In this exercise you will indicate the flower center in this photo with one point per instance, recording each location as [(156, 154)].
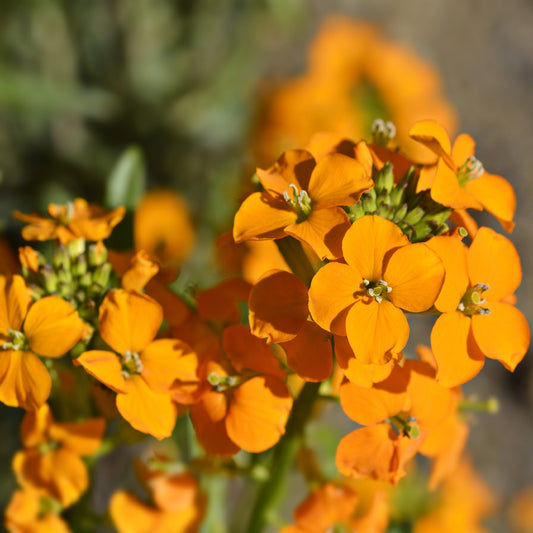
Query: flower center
[(16, 341), (300, 202), (131, 364), (223, 383), (377, 289), (472, 301), (383, 132), (472, 168)]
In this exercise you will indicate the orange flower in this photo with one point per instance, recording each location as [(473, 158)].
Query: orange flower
[(179, 503), (411, 401), (303, 199), (248, 404), (24, 513), (50, 327), (324, 507), (278, 312), (354, 76), (476, 308), (71, 221), (463, 502), (364, 298), (162, 227), (141, 370), (460, 180), (52, 461)]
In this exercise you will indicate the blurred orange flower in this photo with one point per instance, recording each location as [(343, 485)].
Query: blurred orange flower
[(354, 76), (76, 219), (51, 461)]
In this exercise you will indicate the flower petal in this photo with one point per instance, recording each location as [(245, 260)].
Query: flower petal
[(370, 405), (15, 299), (147, 411), (24, 380), (432, 135), (278, 306), (293, 166), (357, 372), (130, 515), (323, 231), (497, 196), (376, 330), (246, 352), (453, 254), (447, 191), (493, 260), (208, 416), (457, 355), (503, 334), (82, 438), (60, 473), (332, 294), (371, 452), (53, 327), (415, 274), (368, 242), (338, 180), (309, 353), (105, 367), (166, 360), (129, 320), (262, 217), (258, 413)]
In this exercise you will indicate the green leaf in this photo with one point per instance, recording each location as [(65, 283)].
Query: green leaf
[(127, 181)]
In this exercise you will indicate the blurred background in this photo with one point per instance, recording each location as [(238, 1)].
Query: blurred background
[(208, 90)]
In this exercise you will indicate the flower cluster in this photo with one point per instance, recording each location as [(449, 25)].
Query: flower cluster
[(370, 237)]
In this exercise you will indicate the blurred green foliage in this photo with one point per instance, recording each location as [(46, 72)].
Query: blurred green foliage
[(81, 81)]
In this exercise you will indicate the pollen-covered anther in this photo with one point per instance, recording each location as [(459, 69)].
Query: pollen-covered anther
[(377, 290), (383, 132), (131, 364), (472, 301), (300, 202), (472, 168), (17, 341)]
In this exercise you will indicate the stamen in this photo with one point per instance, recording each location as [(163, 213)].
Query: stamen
[(300, 202)]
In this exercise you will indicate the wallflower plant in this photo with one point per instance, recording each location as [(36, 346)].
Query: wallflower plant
[(100, 352)]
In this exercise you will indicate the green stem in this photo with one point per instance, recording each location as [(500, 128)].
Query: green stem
[(271, 491), (295, 257)]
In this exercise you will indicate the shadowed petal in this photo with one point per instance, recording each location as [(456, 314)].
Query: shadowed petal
[(278, 306), (323, 231)]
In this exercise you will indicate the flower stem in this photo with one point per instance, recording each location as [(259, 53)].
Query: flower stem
[(271, 491)]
